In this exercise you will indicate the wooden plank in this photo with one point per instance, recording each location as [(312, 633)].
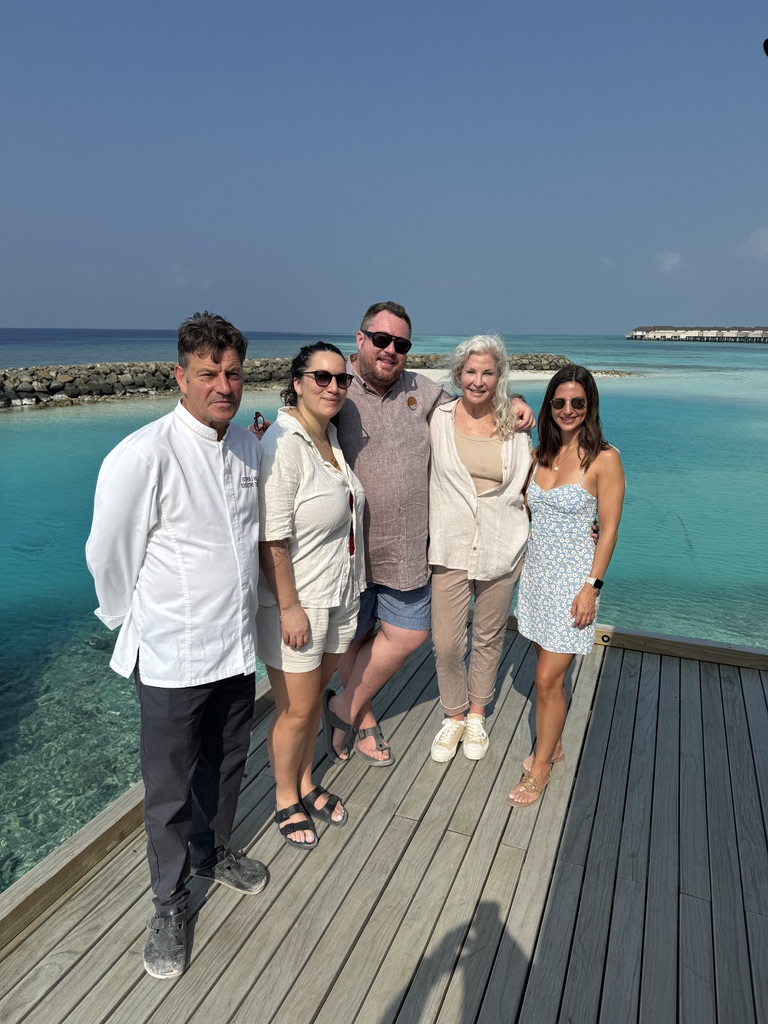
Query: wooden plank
[(467, 984), (732, 974), (578, 827), (53, 928), (341, 971), (750, 828), (53, 989), (755, 691), (547, 974), (694, 854), (621, 990), (426, 992), (581, 996), (358, 973), (682, 647), (757, 931), (641, 673), (658, 985), (390, 986), (697, 969), (340, 899), (506, 985)]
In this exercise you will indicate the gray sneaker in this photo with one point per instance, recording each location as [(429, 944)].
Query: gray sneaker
[(165, 951), (237, 871)]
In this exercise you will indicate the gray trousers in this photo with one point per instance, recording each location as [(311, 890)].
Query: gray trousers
[(194, 743)]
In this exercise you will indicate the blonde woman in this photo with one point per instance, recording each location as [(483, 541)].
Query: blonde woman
[(478, 529)]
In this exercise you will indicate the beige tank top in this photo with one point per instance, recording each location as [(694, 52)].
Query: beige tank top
[(481, 457)]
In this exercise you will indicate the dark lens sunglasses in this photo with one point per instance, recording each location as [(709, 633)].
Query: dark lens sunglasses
[(576, 403), (323, 378), (383, 340)]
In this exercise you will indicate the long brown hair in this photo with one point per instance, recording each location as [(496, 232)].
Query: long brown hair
[(591, 440)]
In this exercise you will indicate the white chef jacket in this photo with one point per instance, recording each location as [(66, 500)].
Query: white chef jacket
[(173, 551)]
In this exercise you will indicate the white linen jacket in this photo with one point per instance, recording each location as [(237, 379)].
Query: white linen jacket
[(173, 551), (484, 534)]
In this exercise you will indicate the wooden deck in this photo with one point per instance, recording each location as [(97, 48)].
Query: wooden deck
[(636, 890)]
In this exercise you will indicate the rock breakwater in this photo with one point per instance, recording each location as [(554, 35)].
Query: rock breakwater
[(46, 386)]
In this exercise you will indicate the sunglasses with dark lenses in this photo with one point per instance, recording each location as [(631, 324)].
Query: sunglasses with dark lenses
[(383, 340), (576, 403), (323, 378)]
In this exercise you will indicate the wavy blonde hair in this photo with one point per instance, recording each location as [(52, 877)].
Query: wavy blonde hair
[(488, 345)]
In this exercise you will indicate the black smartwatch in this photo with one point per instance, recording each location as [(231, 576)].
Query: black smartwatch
[(593, 582)]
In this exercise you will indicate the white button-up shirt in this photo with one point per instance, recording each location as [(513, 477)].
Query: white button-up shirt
[(173, 551), (305, 500)]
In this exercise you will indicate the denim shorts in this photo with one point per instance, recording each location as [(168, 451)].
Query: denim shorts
[(407, 609)]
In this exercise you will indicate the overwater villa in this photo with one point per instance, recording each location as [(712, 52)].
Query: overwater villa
[(738, 334)]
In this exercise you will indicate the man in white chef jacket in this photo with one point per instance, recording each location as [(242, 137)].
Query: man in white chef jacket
[(173, 551)]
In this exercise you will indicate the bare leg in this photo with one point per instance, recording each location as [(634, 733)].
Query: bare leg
[(297, 705), (326, 670), (376, 660), (551, 709)]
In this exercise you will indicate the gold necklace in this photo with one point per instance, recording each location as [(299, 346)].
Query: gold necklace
[(559, 461)]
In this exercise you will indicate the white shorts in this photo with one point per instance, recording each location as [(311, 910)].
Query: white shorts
[(331, 631)]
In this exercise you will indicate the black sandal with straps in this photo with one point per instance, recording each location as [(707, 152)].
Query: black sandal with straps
[(324, 813), (286, 831)]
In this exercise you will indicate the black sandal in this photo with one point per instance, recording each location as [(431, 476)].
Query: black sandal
[(286, 831), (324, 813), (331, 722)]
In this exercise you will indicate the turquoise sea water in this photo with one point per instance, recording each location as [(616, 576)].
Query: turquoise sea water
[(692, 427)]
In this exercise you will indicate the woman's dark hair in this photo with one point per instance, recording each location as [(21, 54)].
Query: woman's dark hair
[(300, 363), (591, 440)]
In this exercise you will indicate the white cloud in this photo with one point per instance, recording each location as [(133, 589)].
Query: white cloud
[(756, 245), (668, 262)]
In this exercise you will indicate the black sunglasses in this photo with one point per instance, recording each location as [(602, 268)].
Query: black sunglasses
[(323, 378), (576, 403), (383, 340)]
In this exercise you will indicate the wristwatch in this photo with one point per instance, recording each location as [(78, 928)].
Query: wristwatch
[(593, 582)]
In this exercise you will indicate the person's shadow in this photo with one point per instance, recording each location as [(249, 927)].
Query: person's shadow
[(466, 955)]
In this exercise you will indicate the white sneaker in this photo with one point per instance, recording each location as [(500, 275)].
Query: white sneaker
[(444, 745), (476, 740)]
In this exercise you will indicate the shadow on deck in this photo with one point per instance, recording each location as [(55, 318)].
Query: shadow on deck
[(635, 890)]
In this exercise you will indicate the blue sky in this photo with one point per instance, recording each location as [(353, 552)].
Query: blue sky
[(544, 167)]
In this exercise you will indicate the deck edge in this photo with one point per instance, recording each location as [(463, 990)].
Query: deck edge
[(64, 867)]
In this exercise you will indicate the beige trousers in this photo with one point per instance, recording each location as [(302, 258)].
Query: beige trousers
[(452, 593)]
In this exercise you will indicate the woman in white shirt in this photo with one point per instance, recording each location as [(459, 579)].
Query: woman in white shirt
[(478, 529), (312, 574)]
